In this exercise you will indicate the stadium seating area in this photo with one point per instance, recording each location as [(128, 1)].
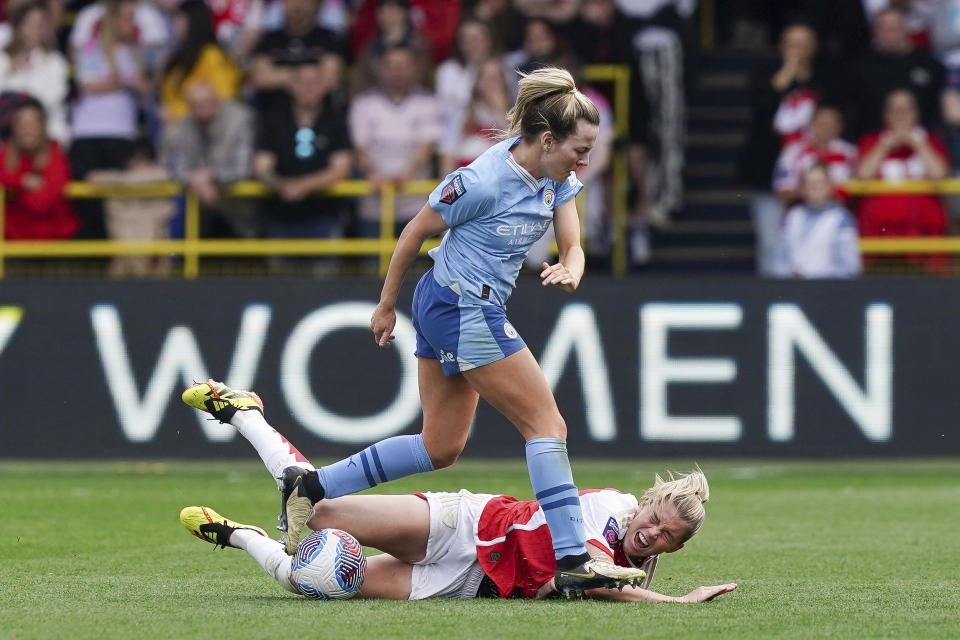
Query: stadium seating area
[(318, 125)]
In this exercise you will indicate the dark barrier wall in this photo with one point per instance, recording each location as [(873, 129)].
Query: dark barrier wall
[(640, 367)]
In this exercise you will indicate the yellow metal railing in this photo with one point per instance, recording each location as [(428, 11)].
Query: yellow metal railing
[(192, 247), (708, 25), (888, 245)]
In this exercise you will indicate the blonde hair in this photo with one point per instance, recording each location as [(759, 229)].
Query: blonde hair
[(687, 492), (548, 101)]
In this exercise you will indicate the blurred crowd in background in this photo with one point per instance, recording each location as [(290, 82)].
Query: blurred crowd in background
[(861, 90), (300, 94)]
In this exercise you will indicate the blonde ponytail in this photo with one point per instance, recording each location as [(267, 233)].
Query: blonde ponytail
[(548, 101), (687, 492)]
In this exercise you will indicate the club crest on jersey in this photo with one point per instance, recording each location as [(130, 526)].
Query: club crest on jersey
[(453, 190), (548, 197), (509, 330), (611, 532)]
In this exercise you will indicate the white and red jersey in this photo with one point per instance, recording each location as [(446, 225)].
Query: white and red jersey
[(795, 113), (839, 156), (515, 550), (231, 16)]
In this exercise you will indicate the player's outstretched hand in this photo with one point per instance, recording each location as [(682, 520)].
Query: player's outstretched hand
[(382, 323), (706, 594), (557, 274)]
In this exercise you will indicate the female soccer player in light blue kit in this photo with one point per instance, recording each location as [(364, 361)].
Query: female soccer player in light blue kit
[(492, 212)]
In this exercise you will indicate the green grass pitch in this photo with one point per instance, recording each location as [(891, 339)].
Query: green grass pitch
[(820, 549)]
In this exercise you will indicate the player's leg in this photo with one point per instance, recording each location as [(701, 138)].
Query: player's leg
[(429, 540), (269, 554), (395, 524), (448, 403), (516, 387), (448, 407), (244, 410), (387, 578), (207, 524)]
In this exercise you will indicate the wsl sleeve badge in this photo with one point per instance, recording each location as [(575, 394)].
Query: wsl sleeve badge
[(611, 532), (549, 196), (453, 190)]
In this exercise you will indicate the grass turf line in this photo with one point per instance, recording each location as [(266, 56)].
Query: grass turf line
[(853, 550)]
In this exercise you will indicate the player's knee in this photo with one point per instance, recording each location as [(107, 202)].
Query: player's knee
[(560, 430), (443, 457), (552, 427), (324, 515)]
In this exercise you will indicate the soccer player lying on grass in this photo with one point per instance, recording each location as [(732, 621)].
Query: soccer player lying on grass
[(465, 545)]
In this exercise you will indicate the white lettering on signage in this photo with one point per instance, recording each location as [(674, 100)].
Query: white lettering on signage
[(870, 407), (658, 370), (303, 404), (180, 362), (576, 335), (10, 317), (576, 332)]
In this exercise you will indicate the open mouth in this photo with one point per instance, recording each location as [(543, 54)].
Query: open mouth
[(640, 540)]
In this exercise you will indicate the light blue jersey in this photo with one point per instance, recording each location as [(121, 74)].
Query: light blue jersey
[(495, 210)]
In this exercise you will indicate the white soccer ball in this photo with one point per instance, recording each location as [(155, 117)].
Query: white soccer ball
[(329, 565)]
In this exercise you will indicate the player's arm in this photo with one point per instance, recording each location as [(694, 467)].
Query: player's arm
[(568, 271), (636, 594), (425, 224)]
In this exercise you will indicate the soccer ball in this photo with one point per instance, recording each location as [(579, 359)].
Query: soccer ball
[(329, 565)]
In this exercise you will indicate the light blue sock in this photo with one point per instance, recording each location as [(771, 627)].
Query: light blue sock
[(553, 485), (381, 462)]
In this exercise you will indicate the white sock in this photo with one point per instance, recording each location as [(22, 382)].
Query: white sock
[(268, 553), (276, 451)]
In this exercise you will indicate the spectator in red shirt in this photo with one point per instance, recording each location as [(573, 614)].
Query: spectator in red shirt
[(821, 144), (903, 150), (435, 20), (395, 28), (33, 172)]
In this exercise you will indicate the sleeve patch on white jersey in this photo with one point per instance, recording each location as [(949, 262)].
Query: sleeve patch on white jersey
[(453, 190), (611, 532)]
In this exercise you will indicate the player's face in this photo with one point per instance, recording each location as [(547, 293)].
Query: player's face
[(654, 530), (571, 153)]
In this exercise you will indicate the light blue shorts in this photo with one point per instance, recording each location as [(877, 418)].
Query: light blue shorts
[(461, 336)]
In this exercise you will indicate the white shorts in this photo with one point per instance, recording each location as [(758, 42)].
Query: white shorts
[(450, 568)]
